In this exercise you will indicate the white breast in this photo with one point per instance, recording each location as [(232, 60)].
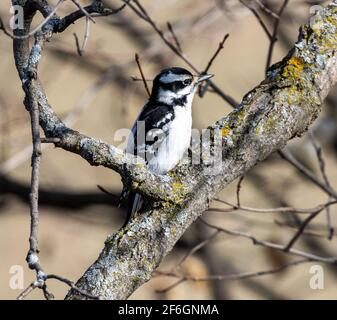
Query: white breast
[(173, 148)]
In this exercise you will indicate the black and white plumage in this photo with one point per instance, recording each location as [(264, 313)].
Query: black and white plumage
[(166, 124)]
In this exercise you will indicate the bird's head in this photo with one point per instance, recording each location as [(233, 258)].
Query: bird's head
[(175, 86)]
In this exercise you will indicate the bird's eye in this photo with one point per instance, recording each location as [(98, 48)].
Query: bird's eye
[(187, 82)]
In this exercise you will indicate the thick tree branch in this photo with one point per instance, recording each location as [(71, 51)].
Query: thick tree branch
[(280, 108)]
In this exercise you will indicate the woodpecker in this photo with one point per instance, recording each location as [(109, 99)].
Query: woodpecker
[(166, 121)]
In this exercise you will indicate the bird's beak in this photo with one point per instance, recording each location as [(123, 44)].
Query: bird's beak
[(203, 78)]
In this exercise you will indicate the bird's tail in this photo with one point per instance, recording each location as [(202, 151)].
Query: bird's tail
[(135, 202)]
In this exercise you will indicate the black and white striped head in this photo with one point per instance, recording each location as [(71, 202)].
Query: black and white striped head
[(175, 86)]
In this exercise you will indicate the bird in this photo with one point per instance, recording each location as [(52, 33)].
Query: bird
[(162, 131)]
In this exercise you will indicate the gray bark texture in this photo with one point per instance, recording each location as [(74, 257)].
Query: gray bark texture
[(279, 109)]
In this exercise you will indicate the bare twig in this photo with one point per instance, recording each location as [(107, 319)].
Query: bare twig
[(267, 10), (170, 287), (174, 36), (238, 188), (86, 13), (273, 39), (220, 47), (40, 26), (80, 50), (92, 10), (49, 140), (142, 13), (195, 249), (142, 74), (271, 210), (272, 245), (306, 232), (225, 277), (35, 284), (301, 230), (41, 284), (205, 87), (285, 154), (259, 19), (321, 162), (32, 256), (136, 78), (72, 285)]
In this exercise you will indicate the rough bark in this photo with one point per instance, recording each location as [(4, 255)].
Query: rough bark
[(274, 112), (280, 108)]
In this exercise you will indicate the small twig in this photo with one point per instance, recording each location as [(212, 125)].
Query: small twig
[(238, 188), (203, 88), (66, 21), (300, 230), (86, 35), (35, 284), (93, 10), (77, 43), (271, 210), (136, 78), (41, 284), (50, 140), (142, 74), (220, 47), (196, 248), (33, 252), (175, 38), (259, 19), (286, 155), (306, 232), (320, 158), (267, 10), (273, 39), (79, 6), (72, 285), (106, 191), (32, 256), (39, 27), (80, 50), (141, 12), (321, 162), (170, 287), (272, 245), (47, 294), (239, 276)]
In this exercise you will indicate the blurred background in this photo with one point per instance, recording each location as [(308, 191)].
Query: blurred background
[(97, 96)]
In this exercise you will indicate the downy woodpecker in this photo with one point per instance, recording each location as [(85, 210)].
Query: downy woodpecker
[(166, 123)]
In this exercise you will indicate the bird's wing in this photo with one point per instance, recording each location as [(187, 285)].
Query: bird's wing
[(152, 128), (152, 121)]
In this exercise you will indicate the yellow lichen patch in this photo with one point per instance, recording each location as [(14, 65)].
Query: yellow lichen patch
[(225, 132), (179, 192), (177, 185), (293, 69), (269, 125), (332, 20), (241, 114)]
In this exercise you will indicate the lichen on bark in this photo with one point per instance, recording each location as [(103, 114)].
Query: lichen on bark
[(280, 108)]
